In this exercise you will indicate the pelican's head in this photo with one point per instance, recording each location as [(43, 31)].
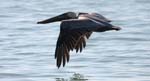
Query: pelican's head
[(65, 16)]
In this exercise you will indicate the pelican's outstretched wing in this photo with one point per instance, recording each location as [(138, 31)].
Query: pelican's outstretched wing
[(72, 36), (98, 17), (81, 42)]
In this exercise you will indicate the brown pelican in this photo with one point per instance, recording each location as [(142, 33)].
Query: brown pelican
[(75, 28)]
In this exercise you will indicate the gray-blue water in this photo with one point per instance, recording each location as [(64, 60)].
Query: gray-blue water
[(27, 49)]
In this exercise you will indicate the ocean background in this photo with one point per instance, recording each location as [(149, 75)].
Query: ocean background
[(27, 49)]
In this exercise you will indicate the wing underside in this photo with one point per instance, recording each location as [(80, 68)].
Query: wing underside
[(73, 35)]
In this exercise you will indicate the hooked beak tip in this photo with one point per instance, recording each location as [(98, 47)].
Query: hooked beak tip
[(38, 23), (41, 22)]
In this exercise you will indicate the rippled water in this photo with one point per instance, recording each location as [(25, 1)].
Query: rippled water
[(27, 49)]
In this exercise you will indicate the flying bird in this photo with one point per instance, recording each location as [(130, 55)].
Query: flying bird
[(75, 29)]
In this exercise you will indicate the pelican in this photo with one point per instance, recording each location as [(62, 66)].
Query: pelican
[(75, 29)]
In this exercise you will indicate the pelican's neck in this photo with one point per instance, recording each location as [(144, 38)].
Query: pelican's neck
[(82, 17)]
